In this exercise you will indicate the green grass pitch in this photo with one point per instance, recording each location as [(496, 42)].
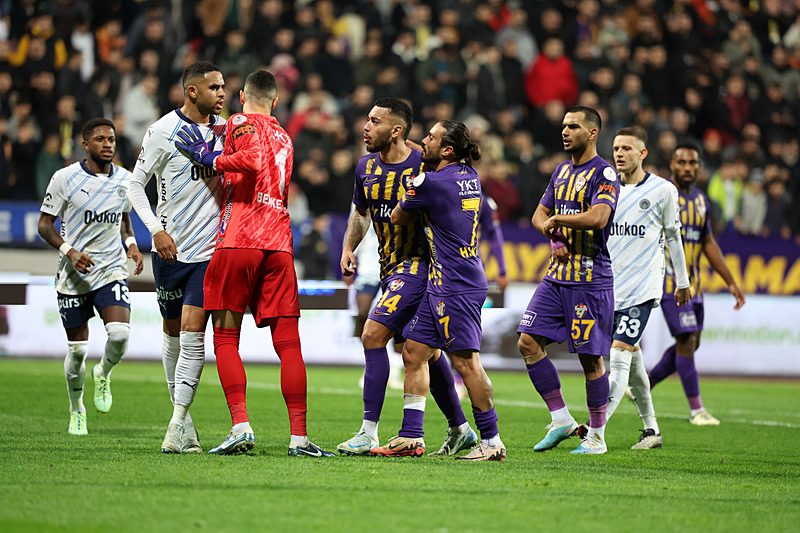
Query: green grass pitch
[(740, 476)]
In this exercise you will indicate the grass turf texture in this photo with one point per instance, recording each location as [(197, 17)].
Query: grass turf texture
[(740, 476)]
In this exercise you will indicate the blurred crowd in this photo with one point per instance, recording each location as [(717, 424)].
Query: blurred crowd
[(722, 73)]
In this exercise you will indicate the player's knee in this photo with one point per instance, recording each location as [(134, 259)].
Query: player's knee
[(375, 336), (118, 334), (77, 351), (531, 350)]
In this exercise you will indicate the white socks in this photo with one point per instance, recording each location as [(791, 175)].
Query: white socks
[(561, 417), (170, 348), (75, 373), (188, 369), (620, 369), (116, 344), (298, 440), (640, 388), (370, 427)]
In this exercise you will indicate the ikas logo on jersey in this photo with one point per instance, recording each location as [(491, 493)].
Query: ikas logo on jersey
[(440, 308), (396, 285), (580, 310)]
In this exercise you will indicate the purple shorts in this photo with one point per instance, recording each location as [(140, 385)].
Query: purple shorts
[(450, 323), (588, 315), (685, 319), (402, 294)]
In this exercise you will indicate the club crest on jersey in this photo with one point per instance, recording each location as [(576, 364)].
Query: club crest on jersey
[(580, 310), (634, 312), (396, 285), (122, 192), (644, 204), (440, 308), (580, 183), (700, 207)]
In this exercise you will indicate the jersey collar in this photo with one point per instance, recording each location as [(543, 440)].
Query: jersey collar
[(646, 175), (212, 118), (86, 169)]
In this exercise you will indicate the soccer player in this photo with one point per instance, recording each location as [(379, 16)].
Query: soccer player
[(491, 232), (91, 198), (253, 264), (686, 324), (647, 214), (183, 231), (382, 177), (448, 199), (577, 292)]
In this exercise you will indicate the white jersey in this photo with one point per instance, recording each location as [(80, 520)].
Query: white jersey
[(189, 197), (367, 258), (647, 218), (90, 206)]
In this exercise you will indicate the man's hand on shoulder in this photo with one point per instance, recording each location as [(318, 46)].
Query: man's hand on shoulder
[(193, 147)]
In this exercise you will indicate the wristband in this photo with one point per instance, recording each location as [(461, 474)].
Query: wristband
[(129, 241), (65, 247)]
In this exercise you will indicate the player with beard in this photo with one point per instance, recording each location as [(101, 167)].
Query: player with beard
[(576, 295), (382, 178), (686, 323), (448, 200), (91, 198), (183, 230)]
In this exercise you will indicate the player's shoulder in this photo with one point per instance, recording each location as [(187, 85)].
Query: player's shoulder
[(605, 171), (366, 163), (120, 172)]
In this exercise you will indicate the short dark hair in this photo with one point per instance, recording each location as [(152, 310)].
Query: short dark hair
[(89, 127), (590, 114), (688, 145), (633, 131), (261, 86), (198, 69), (399, 109), (456, 135)]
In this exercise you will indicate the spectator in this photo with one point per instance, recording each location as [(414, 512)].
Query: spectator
[(779, 207), (517, 32), (140, 109), (48, 162), (552, 76), (725, 189), (24, 151), (496, 182)]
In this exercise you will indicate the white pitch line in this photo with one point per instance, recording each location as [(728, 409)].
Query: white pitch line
[(507, 403)]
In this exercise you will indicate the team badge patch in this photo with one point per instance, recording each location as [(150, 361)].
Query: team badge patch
[(396, 285), (579, 184), (122, 192), (238, 119), (411, 193), (580, 310), (417, 181), (241, 130), (644, 204), (527, 319), (634, 312), (440, 308), (610, 174)]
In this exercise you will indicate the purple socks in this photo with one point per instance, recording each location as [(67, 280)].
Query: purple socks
[(544, 377), (412, 424), (486, 422), (664, 368), (376, 376), (690, 380), (443, 390), (597, 400)]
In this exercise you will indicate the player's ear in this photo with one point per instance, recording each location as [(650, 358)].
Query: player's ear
[(446, 151), (644, 153), (274, 103), (241, 97)]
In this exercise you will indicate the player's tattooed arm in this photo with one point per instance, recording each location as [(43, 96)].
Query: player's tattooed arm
[(47, 230), (126, 232), (357, 228)]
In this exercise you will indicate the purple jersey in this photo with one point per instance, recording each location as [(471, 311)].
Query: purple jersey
[(378, 188), (695, 225), (573, 190), (449, 201)]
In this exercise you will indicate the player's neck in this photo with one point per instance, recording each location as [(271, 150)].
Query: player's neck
[(253, 109), (395, 153), (97, 168), (192, 113), (443, 163), (588, 153), (633, 178), (682, 186)]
